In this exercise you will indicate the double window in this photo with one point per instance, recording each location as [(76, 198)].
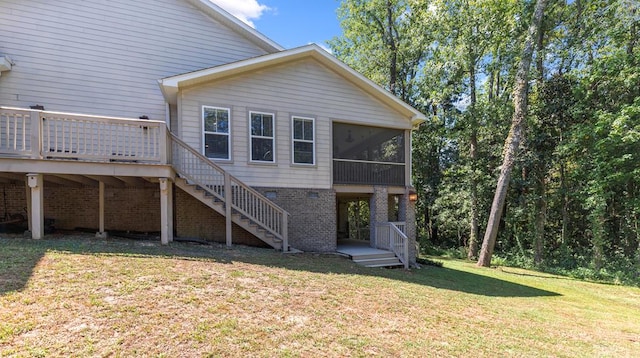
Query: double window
[(217, 133), (303, 141), (262, 137)]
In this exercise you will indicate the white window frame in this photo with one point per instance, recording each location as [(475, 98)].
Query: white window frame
[(273, 138), (294, 140), (205, 132)]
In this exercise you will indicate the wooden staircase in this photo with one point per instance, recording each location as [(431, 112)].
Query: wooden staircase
[(218, 205), (228, 196)]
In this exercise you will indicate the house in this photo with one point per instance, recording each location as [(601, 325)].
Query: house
[(173, 116)]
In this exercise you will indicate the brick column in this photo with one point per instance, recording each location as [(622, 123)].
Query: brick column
[(378, 211), (407, 213)]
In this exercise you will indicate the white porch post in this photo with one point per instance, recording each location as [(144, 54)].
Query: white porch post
[(166, 211), (36, 220), (101, 234)]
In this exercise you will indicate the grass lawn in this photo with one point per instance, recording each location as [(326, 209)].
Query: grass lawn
[(80, 296)]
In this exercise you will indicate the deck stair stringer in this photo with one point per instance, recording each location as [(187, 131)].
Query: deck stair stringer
[(218, 206)]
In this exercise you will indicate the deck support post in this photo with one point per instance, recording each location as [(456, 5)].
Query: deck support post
[(228, 201), (285, 232), (36, 219), (101, 234), (28, 193), (166, 211)]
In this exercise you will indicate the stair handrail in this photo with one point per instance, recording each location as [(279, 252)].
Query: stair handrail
[(180, 168), (390, 237), (274, 224)]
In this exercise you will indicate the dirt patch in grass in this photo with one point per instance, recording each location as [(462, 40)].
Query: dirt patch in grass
[(79, 296)]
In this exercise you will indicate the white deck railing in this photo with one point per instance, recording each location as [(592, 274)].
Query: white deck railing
[(15, 132), (390, 237), (199, 170), (54, 135)]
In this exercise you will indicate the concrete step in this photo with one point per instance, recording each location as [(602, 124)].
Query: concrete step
[(373, 256), (381, 262)]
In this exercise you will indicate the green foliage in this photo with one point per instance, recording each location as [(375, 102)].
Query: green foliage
[(574, 199)]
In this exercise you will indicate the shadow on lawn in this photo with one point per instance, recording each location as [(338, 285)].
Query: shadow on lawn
[(437, 277), (19, 257), (468, 282)]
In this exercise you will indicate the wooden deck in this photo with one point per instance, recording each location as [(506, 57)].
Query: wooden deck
[(88, 148)]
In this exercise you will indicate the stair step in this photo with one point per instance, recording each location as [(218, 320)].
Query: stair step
[(386, 255), (379, 262), (385, 265), (380, 259)]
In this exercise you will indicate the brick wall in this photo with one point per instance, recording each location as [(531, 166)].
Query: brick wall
[(133, 209), (312, 224), (13, 199)]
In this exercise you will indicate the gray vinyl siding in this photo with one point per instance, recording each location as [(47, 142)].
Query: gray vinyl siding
[(303, 88), (105, 57)]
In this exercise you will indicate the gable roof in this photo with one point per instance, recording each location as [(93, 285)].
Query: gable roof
[(171, 85), (232, 22)]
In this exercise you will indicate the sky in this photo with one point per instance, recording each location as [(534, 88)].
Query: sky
[(290, 23)]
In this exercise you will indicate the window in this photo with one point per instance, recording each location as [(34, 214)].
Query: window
[(216, 132), (262, 137), (303, 141)]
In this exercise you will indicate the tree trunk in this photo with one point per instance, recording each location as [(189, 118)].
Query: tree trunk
[(473, 154), (393, 62), (565, 209), (513, 140), (540, 219)]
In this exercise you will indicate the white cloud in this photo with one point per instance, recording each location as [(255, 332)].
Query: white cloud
[(245, 10)]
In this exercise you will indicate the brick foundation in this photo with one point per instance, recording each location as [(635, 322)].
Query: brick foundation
[(133, 209), (312, 224)]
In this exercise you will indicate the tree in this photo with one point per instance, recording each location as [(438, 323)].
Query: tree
[(382, 40), (512, 142), (469, 37)]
